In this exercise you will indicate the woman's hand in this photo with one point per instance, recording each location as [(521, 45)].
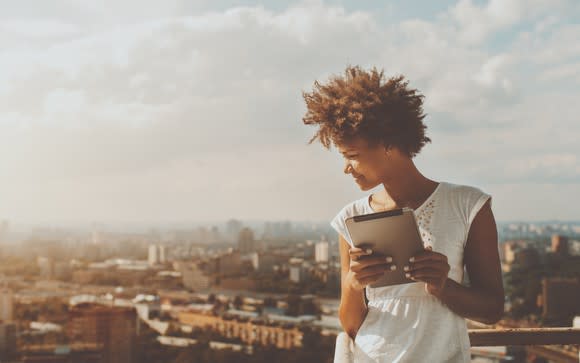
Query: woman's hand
[(365, 268), (429, 267)]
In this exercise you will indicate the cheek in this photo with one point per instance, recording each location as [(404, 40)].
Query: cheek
[(371, 172), (365, 168)]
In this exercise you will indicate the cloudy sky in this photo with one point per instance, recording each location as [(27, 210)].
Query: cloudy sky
[(179, 110)]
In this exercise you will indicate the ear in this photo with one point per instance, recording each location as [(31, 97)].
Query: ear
[(388, 150)]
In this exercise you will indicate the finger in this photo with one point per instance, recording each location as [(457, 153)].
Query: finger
[(427, 273), (359, 267), (359, 264), (428, 255), (355, 253), (360, 251), (436, 281), (375, 269), (437, 264)]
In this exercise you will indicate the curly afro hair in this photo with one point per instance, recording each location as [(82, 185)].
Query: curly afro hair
[(365, 104)]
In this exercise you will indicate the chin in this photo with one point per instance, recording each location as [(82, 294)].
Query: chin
[(364, 185)]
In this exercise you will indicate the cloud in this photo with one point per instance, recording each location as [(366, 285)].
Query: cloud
[(477, 23), (181, 116)]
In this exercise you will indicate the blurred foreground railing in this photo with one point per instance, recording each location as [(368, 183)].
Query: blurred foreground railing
[(524, 336), (555, 344)]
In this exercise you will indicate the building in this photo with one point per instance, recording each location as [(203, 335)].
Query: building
[(560, 245), (193, 278), (246, 241), (62, 270), (228, 264), (156, 255), (527, 257), (46, 266), (507, 252), (112, 326), (233, 228), (7, 339), (69, 353), (152, 257), (266, 261), (277, 229), (248, 329), (161, 250), (295, 273), (560, 298), (6, 305), (321, 252)]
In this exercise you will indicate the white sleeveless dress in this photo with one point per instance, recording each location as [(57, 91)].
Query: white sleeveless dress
[(404, 323)]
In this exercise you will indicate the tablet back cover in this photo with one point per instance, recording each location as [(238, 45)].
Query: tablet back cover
[(391, 233)]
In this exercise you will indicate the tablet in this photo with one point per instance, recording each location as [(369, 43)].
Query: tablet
[(392, 233)]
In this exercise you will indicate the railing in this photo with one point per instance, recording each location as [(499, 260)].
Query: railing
[(520, 336), (540, 341)]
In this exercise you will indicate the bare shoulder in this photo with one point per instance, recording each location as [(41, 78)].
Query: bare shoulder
[(483, 223)]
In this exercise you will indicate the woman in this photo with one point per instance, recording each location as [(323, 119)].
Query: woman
[(377, 125)]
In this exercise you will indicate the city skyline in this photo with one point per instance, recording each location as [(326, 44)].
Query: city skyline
[(192, 112)]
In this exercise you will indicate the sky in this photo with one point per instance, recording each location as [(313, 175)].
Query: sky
[(192, 110)]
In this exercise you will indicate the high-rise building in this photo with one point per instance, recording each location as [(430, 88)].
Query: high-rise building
[(246, 242), (560, 245), (277, 229), (112, 326), (295, 273), (233, 228), (321, 252), (6, 304), (156, 254), (161, 253), (152, 255)]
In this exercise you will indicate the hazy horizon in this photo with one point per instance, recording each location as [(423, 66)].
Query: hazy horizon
[(142, 111)]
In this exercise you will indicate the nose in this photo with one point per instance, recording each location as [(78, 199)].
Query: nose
[(347, 168)]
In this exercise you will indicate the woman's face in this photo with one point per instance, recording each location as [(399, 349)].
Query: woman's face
[(368, 165)]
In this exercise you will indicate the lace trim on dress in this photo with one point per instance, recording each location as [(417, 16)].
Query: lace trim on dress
[(424, 221)]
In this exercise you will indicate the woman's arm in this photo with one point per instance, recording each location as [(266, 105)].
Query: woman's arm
[(352, 309), (483, 300), (358, 269)]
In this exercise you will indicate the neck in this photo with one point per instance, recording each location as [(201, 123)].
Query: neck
[(409, 187)]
